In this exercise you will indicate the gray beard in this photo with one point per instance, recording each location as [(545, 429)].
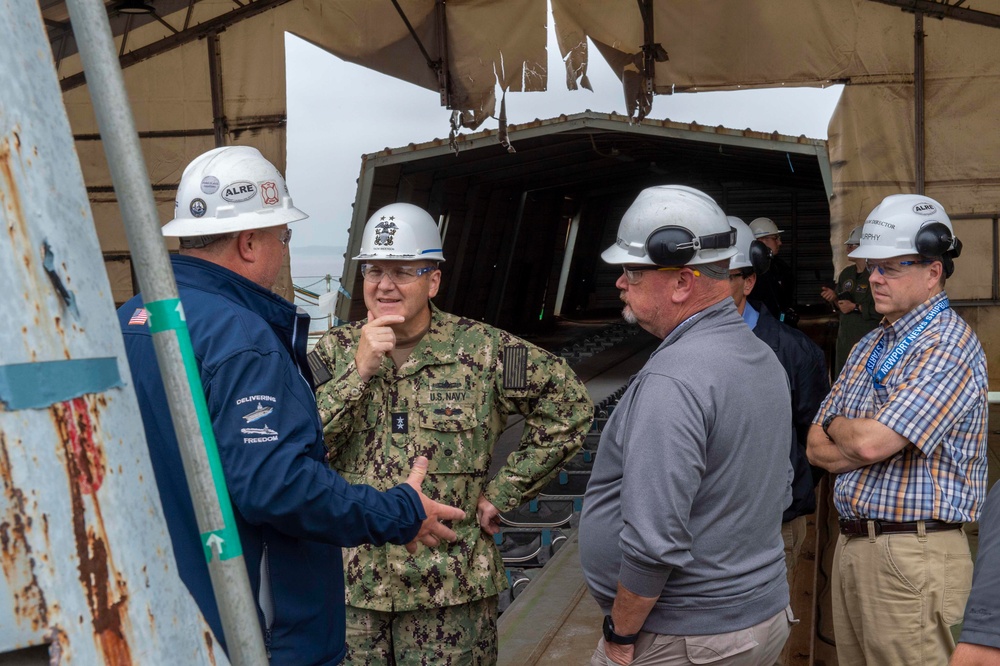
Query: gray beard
[(629, 316)]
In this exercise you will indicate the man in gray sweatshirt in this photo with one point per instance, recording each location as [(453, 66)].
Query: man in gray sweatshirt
[(680, 537)]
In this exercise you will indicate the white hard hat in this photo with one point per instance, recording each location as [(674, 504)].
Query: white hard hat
[(764, 226), (750, 252), (401, 231), (672, 225), (855, 237), (907, 224), (230, 189)]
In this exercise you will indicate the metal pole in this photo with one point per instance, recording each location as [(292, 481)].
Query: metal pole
[(918, 99), (511, 253), (567, 262), (219, 122), (170, 334)]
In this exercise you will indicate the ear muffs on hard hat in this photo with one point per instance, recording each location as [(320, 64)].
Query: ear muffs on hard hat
[(673, 246), (936, 240), (760, 257)]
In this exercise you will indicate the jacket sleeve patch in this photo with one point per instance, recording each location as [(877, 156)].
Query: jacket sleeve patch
[(256, 417), (515, 367)]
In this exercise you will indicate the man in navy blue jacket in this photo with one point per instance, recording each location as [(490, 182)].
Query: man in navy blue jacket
[(293, 513), (805, 366)]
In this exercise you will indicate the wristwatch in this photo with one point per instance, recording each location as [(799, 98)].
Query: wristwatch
[(611, 637), (826, 424)]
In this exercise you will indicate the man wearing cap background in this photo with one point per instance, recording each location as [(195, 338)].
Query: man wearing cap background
[(680, 536), (904, 428), (775, 288), (805, 365), (293, 513), (852, 299), (413, 380)]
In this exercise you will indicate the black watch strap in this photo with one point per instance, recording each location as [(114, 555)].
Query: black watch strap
[(611, 637), (826, 423)]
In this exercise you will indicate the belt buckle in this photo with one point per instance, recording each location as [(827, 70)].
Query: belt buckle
[(877, 525)]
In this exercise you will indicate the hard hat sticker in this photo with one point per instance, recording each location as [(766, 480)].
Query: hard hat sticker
[(924, 208), (209, 184), (269, 193), (241, 190), (198, 207), (384, 231)]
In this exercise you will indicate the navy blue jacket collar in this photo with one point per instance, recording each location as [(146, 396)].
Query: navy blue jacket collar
[(288, 322)]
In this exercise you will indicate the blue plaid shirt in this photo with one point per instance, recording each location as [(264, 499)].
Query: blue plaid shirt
[(935, 397)]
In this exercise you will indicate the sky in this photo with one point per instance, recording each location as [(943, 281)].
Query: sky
[(338, 111)]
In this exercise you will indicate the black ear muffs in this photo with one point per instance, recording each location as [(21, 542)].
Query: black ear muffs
[(676, 246), (670, 246), (936, 240), (760, 257)]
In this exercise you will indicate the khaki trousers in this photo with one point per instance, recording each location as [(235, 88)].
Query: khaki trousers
[(759, 645), (793, 533), (897, 596)]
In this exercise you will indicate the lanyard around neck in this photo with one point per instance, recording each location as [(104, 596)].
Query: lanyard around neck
[(886, 365)]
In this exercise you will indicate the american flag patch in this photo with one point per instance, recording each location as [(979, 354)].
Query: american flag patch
[(139, 317), (515, 367)]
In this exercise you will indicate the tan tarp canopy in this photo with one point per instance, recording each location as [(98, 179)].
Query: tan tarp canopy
[(724, 44), (172, 93), (712, 44)]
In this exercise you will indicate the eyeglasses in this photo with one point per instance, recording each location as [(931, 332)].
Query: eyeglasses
[(285, 237), (739, 274), (634, 274), (893, 269), (396, 274)]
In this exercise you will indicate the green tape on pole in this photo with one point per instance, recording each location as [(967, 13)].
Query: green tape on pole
[(168, 315)]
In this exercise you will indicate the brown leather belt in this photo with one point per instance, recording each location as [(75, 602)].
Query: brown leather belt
[(858, 527)]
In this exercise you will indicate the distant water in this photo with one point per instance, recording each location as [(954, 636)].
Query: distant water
[(310, 264)]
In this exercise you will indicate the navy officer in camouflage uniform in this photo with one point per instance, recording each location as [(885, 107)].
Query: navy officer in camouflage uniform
[(413, 380)]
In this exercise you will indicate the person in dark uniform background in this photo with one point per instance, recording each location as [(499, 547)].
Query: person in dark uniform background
[(805, 365), (775, 289), (852, 299)]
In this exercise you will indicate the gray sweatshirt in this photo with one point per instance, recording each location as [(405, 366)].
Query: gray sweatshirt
[(690, 482)]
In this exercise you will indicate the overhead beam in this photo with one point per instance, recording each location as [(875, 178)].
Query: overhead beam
[(217, 24), (942, 10)]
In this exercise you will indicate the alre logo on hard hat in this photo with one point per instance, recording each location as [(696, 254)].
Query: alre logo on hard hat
[(925, 209), (385, 230), (203, 206), (241, 190)]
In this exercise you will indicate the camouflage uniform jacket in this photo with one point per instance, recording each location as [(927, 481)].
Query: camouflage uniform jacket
[(449, 401)]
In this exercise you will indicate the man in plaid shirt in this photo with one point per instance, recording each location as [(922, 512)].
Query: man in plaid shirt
[(904, 427)]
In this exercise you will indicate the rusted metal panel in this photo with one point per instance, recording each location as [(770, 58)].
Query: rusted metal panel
[(87, 565)]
